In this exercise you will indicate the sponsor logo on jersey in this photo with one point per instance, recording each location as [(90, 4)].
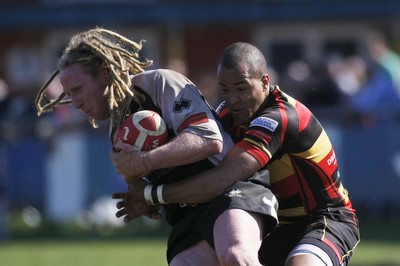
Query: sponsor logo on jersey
[(332, 159), (181, 105), (265, 122), (235, 193), (272, 203)]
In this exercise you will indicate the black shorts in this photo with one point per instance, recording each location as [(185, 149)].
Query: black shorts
[(197, 223), (338, 239)]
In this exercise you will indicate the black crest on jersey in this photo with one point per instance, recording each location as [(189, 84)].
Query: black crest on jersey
[(182, 104)]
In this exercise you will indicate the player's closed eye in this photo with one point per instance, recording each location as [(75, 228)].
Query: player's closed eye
[(76, 91)]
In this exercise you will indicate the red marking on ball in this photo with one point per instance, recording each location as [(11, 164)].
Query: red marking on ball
[(145, 129)]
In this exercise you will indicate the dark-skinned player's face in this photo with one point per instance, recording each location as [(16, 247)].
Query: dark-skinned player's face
[(242, 93), (88, 93)]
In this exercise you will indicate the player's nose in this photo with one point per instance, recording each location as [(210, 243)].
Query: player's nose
[(231, 99), (77, 102)]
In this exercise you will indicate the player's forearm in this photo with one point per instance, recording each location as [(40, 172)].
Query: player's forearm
[(200, 188), (205, 186), (184, 149)]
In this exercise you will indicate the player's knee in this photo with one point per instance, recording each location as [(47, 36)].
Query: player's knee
[(237, 256)]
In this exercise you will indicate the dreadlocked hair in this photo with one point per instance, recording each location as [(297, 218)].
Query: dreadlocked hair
[(94, 49)]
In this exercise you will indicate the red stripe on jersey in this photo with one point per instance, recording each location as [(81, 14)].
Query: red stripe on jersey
[(304, 115), (254, 151), (223, 112), (283, 112), (264, 136), (306, 192), (334, 248), (329, 164), (286, 187), (193, 120), (329, 184)]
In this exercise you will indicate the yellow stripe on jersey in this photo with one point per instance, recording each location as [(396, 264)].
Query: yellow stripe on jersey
[(319, 150), (291, 100), (280, 169), (258, 145), (292, 212)]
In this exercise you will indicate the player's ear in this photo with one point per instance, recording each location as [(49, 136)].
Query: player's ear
[(265, 81)]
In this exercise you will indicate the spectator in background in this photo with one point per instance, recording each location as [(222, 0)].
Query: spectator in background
[(378, 95), (385, 57), (297, 79), (344, 75), (314, 87)]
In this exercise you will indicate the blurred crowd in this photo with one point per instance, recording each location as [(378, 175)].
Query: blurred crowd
[(364, 85), (366, 89)]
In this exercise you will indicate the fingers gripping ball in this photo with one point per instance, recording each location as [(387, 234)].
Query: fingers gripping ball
[(144, 129)]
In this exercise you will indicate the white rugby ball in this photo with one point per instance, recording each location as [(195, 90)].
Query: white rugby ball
[(144, 129)]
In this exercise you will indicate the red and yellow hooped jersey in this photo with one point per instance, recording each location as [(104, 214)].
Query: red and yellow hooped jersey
[(287, 139)]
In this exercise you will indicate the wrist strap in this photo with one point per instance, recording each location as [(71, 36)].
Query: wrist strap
[(159, 194), (153, 195), (147, 194)]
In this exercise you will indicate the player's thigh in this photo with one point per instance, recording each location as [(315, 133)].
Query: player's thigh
[(237, 228), (305, 260), (198, 255), (308, 254)]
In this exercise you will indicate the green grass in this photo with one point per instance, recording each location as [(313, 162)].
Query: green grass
[(377, 253), (380, 243), (145, 253), (83, 253), (379, 246)]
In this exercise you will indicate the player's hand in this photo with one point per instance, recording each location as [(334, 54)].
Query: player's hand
[(136, 189), (129, 161), (131, 207)]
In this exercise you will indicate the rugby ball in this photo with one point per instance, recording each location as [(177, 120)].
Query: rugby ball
[(144, 129)]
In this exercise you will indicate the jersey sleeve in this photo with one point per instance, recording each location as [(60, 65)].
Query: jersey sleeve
[(263, 137), (182, 106)]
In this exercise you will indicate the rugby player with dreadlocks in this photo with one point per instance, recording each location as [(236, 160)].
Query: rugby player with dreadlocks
[(103, 76)]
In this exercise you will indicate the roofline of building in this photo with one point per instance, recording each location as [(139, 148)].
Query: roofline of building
[(187, 12)]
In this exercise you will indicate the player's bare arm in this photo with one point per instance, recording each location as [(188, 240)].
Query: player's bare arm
[(184, 149), (237, 165)]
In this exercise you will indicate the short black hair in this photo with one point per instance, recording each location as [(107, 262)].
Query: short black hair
[(242, 52)]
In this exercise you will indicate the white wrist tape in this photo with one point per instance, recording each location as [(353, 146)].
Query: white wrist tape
[(159, 194), (153, 194), (147, 194)]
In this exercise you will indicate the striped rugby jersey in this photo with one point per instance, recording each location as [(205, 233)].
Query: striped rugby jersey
[(287, 139)]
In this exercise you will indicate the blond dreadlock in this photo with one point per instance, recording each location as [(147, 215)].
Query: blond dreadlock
[(94, 49)]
